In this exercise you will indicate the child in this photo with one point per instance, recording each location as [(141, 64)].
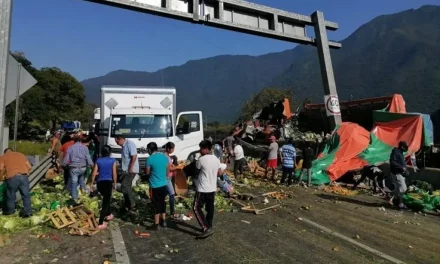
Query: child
[(169, 149), (223, 181), (105, 169)]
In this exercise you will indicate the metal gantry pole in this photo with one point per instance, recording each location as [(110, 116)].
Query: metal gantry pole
[(325, 62), (5, 34)]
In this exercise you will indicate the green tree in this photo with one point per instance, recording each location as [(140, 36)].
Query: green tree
[(85, 114), (30, 108), (63, 96), (262, 99), (57, 96)]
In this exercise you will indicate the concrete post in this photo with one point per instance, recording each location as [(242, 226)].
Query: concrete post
[(196, 10), (275, 23), (220, 9), (325, 62), (5, 34), (5, 141)]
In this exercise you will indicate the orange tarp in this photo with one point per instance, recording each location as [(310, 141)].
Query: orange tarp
[(287, 113), (353, 139), (408, 129), (397, 104)]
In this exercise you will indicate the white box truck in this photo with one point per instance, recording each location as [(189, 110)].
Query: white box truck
[(148, 114)]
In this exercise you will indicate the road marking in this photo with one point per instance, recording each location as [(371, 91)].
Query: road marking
[(367, 248), (119, 245)]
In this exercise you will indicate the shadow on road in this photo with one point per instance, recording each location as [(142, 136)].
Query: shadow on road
[(354, 201), (178, 227)]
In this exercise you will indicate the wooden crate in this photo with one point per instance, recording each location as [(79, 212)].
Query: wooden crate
[(62, 218), (85, 217), (78, 230)]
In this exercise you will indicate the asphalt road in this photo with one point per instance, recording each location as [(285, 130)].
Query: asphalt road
[(281, 237)]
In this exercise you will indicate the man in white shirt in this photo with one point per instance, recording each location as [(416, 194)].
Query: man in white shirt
[(240, 161), (206, 186)]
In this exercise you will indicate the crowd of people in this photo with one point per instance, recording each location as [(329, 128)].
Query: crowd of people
[(286, 154), (77, 153)]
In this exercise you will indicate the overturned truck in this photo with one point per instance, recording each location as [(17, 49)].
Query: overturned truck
[(352, 147)]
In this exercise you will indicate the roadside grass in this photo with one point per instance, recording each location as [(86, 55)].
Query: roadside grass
[(31, 148)]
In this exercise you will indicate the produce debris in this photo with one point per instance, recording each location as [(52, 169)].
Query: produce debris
[(421, 200), (277, 195), (307, 208), (340, 190), (45, 199)]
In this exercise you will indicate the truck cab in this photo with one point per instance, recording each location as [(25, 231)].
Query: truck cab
[(145, 114)]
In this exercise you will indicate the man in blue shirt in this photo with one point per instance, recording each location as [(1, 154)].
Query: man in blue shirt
[(130, 167), (157, 168), (288, 156), (78, 159)]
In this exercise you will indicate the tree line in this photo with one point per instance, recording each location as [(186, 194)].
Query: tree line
[(57, 96)]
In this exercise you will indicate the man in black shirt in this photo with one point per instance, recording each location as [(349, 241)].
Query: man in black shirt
[(308, 155)]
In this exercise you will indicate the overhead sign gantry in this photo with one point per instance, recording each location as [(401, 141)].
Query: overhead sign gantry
[(235, 15)]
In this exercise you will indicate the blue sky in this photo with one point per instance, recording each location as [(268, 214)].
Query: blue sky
[(90, 40)]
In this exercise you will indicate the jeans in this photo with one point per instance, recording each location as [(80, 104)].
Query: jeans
[(14, 184), (224, 183), (170, 190), (76, 177), (127, 189)]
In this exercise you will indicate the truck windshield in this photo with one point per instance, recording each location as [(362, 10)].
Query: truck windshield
[(141, 126)]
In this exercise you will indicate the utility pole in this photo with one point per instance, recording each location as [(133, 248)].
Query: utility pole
[(17, 107), (5, 35)]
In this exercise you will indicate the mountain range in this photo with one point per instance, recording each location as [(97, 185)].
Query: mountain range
[(398, 53)]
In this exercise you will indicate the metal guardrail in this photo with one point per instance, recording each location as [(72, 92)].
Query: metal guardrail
[(38, 171)]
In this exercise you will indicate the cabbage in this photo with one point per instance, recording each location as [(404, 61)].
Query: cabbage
[(36, 220), (35, 200), (10, 225), (141, 188)]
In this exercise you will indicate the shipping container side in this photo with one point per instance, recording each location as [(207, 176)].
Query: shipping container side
[(129, 97)]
